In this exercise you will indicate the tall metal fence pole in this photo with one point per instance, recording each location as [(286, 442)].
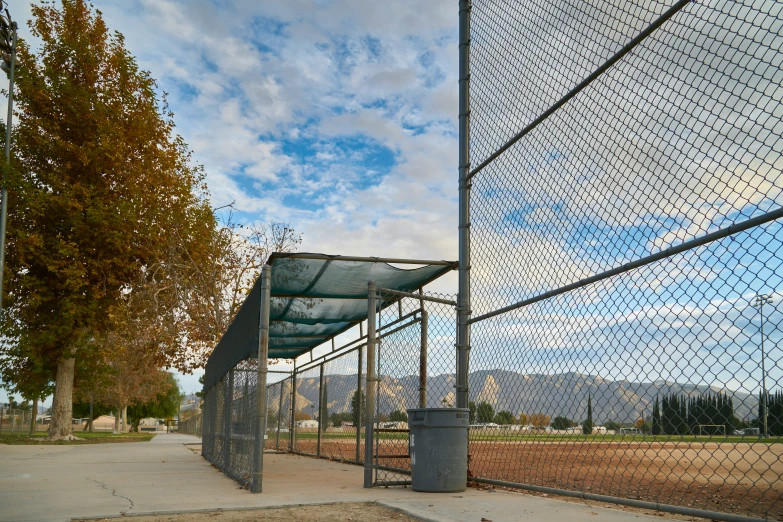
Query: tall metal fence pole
[(263, 353), (227, 420), (463, 298), (321, 405), (292, 432), (358, 420), (371, 379), (423, 358), (279, 417)]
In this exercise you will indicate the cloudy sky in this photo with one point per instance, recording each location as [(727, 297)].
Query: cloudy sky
[(337, 116)]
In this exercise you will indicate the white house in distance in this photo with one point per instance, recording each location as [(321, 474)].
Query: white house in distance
[(307, 424)]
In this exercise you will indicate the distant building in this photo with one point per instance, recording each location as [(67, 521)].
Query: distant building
[(307, 424)]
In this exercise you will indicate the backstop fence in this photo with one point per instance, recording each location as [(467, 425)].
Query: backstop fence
[(621, 250)]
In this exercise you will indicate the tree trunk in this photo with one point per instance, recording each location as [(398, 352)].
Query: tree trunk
[(92, 418), (34, 420), (61, 426), (117, 421), (125, 419)]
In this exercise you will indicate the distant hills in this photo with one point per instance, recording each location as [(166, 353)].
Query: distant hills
[(563, 394)]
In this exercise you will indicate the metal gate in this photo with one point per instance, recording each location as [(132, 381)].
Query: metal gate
[(415, 361)]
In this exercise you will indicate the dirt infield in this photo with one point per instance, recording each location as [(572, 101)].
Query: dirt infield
[(741, 478)]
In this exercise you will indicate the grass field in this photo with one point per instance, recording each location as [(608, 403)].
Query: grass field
[(89, 438)]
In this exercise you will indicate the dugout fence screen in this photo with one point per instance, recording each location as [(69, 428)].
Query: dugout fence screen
[(621, 250)]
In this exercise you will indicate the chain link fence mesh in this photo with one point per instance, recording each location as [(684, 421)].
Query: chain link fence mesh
[(414, 335), (229, 416), (342, 406), (14, 420), (191, 425), (626, 250)]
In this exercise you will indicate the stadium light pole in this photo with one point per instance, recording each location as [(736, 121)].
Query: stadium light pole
[(7, 63), (758, 302)]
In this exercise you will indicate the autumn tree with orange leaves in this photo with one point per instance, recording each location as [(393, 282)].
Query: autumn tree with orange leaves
[(98, 181)]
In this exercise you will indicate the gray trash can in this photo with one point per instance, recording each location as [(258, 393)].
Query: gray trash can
[(439, 449)]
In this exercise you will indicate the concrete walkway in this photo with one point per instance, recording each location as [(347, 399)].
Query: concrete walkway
[(56, 483)]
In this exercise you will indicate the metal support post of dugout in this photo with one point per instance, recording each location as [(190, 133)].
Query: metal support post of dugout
[(263, 355), (358, 420), (292, 431), (229, 400), (321, 425), (279, 417), (371, 382), (423, 359)]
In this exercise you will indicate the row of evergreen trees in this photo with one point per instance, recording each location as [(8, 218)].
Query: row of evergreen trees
[(775, 417), (683, 415)]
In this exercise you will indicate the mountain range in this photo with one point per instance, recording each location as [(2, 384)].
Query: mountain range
[(563, 394)]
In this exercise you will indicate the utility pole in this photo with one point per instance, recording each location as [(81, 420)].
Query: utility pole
[(758, 302), (7, 63)]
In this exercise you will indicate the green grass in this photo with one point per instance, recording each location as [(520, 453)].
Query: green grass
[(510, 436), (89, 438)]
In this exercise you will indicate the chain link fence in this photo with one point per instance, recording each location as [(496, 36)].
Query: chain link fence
[(319, 409), (330, 402), (15, 421), (416, 362), (228, 429), (191, 425), (625, 250)]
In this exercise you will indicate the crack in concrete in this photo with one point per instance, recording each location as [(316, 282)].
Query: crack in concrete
[(114, 494)]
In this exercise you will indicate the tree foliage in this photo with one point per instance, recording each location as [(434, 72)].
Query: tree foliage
[(562, 423), (656, 418), (485, 413), (98, 181), (164, 404), (214, 278), (398, 416), (587, 425), (683, 415), (358, 407), (539, 420), (505, 417)]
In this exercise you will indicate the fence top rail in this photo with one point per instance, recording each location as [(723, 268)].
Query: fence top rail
[(422, 297), (388, 260), (323, 359)]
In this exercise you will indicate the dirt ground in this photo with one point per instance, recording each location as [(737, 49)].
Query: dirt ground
[(365, 512), (741, 478)]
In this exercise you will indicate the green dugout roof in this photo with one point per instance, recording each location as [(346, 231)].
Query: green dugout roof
[(314, 297)]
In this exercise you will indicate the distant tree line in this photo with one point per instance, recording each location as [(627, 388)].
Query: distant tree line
[(678, 414), (775, 417)]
